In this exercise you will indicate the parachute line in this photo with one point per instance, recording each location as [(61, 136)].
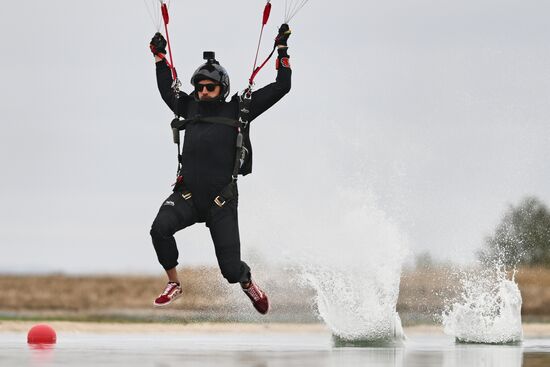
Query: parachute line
[(153, 15), (292, 7), (153, 9)]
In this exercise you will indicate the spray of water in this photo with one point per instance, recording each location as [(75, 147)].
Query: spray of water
[(488, 310), (327, 224), (355, 270)]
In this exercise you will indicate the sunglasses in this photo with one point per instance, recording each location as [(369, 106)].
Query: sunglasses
[(209, 87)]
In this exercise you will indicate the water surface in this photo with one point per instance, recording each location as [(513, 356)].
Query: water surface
[(269, 349)]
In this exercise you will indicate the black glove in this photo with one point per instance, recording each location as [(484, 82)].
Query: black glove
[(282, 37), (158, 44)]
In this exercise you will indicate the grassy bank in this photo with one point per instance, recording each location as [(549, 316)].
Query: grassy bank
[(208, 298)]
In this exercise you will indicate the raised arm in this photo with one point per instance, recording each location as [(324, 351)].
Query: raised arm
[(264, 98), (164, 78)]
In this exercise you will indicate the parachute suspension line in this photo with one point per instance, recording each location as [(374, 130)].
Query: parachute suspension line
[(292, 8), (154, 18), (255, 70), (154, 12)]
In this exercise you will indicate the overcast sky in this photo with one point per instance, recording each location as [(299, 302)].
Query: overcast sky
[(439, 110)]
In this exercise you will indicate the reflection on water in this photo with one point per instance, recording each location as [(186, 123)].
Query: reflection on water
[(270, 349), (476, 355), (41, 354)]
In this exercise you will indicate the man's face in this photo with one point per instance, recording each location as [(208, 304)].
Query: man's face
[(207, 90)]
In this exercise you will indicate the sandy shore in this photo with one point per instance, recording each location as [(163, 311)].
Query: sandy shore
[(530, 330), (103, 327)]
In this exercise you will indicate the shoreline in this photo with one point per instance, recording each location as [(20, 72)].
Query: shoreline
[(530, 330)]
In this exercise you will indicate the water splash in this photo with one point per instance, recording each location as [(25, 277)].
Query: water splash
[(355, 271), (488, 310)]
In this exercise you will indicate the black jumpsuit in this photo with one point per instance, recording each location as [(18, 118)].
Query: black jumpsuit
[(208, 158)]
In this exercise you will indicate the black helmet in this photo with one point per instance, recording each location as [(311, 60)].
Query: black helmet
[(212, 70)]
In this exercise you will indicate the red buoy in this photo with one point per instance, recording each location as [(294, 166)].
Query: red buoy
[(41, 334)]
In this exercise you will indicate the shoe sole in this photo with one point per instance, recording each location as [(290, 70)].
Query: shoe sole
[(259, 311), (160, 305), (266, 311)]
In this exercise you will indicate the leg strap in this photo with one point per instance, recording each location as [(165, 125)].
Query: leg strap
[(186, 194), (228, 193)]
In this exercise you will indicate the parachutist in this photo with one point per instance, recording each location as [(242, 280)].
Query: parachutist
[(216, 148)]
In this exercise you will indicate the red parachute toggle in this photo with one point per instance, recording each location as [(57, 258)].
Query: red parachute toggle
[(267, 11), (255, 70), (165, 16)]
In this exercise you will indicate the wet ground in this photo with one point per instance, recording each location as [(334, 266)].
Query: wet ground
[(264, 349)]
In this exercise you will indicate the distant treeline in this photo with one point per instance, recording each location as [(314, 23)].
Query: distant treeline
[(522, 237)]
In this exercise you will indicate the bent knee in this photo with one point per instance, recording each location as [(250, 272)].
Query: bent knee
[(233, 271), (232, 274), (161, 229)]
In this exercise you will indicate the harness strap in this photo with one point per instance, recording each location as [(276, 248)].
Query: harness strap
[(244, 107), (179, 124), (244, 115), (221, 120), (229, 191), (175, 122)]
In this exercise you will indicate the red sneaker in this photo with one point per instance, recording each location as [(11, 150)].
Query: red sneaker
[(171, 293), (258, 297)]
